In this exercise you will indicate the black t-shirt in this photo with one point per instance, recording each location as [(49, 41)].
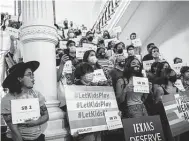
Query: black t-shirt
[(147, 57)]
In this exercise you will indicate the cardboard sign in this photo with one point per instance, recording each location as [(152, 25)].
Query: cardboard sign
[(113, 120), (68, 67), (179, 85), (125, 53), (117, 29), (177, 111), (147, 64), (86, 106), (12, 31), (145, 128), (106, 41), (63, 44), (76, 40), (141, 84), (99, 76), (177, 67), (136, 43), (90, 46), (24, 109), (80, 52)]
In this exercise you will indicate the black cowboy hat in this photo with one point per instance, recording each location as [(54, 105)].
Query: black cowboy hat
[(16, 69)]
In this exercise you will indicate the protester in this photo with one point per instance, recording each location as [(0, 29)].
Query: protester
[(177, 60), (90, 36), (130, 102), (149, 55), (133, 36), (83, 40), (185, 77), (117, 71), (20, 83), (155, 54), (106, 34), (110, 49)]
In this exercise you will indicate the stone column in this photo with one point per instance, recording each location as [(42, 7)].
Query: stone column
[(39, 37)]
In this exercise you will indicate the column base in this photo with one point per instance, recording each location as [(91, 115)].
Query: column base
[(55, 129)]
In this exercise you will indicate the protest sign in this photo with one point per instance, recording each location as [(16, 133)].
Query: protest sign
[(136, 42), (145, 128), (117, 29), (179, 85), (113, 120), (99, 76), (80, 52), (90, 46), (12, 31), (141, 84), (177, 110), (24, 109), (106, 41), (68, 67), (147, 64), (63, 44), (86, 106), (177, 67)]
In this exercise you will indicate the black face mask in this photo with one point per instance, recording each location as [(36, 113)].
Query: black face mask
[(121, 64), (120, 51), (90, 39), (102, 55), (173, 79), (135, 72)]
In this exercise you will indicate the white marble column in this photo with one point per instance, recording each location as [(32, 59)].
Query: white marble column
[(39, 37)]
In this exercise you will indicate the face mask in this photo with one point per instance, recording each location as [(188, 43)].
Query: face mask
[(93, 60), (121, 64), (173, 79), (102, 55), (135, 70), (120, 51), (71, 35), (90, 39)]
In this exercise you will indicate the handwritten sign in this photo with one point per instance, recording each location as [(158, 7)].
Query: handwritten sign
[(80, 52), (99, 76), (147, 64), (145, 128), (63, 44), (68, 67), (117, 29), (108, 40), (136, 43), (90, 46), (177, 111), (179, 85), (141, 84), (24, 109), (12, 31), (86, 106), (113, 120), (177, 67)]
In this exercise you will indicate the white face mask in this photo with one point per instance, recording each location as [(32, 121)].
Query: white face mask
[(93, 59)]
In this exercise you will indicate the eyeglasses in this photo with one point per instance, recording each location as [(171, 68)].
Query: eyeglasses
[(29, 75)]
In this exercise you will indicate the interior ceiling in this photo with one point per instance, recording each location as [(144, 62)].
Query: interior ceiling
[(143, 17)]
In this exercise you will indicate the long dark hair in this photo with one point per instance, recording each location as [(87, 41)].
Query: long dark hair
[(160, 66), (15, 85), (86, 56), (128, 71)]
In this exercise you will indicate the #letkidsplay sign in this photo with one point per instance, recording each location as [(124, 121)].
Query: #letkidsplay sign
[(141, 84)]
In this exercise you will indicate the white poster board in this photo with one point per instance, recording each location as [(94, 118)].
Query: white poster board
[(12, 31), (141, 84), (24, 109), (147, 64), (177, 67), (80, 52), (113, 120), (99, 76), (136, 43), (63, 44), (90, 46), (67, 67)]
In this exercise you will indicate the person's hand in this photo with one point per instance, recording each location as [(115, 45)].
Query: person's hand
[(94, 83), (102, 83), (64, 59), (120, 113), (75, 134), (29, 123)]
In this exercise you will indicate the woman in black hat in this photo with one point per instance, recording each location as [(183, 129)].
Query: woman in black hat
[(20, 83)]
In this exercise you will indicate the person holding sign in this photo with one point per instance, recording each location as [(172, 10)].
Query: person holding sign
[(166, 86), (20, 83), (90, 57), (82, 40), (130, 102), (106, 34), (185, 77), (149, 55)]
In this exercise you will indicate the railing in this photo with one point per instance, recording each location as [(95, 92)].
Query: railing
[(105, 15)]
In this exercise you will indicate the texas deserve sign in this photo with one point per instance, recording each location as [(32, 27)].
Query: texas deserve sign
[(86, 106)]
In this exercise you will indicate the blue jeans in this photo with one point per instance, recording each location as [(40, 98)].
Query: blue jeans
[(135, 111)]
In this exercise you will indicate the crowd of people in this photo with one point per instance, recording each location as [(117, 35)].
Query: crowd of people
[(119, 62)]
